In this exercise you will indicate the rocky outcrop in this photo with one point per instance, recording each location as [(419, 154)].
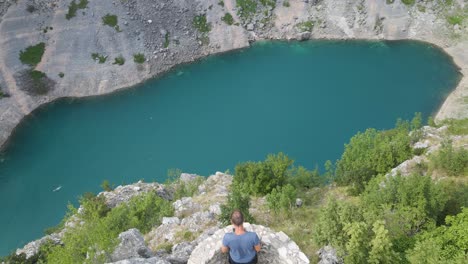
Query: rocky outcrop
[(124, 193), (132, 245), (277, 248), (328, 255), (164, 32)]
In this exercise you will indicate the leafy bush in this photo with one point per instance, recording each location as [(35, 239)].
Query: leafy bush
[(455, 19), (301, 178), (111, 21), (445, 244), (139, 58), (73, 7), (106, 186), (166, 40), (32, 55), (246, 8), (282, 198), (371, 153), (260, 178), (286, 4), (457, 126), (200, 23), (453, 161), (305, 26), (236, 200), (99, 57), (119, 61), (84, 243), (408, 2), (61, 74), (227, 18)]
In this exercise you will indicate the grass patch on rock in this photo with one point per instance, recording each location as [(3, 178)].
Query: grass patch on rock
[(32, 55), (246, 8)]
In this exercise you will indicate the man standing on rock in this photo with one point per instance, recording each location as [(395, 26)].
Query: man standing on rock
[(241, 244)]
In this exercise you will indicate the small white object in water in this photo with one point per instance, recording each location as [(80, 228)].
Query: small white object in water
[(57, 189)]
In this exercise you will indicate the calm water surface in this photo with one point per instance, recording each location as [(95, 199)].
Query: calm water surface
[(305, 99)]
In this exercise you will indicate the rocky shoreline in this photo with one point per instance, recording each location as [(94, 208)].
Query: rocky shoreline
[(165, 33)]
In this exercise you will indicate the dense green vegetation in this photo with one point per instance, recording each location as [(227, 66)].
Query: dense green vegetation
[(246, 8), (167, 40), (408, 2), (74, 7), (139, 58), (371, 153), (101, 226), (32, 55)]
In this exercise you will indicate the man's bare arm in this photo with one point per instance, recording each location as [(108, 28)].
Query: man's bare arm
[(224, 249), (257, 247)]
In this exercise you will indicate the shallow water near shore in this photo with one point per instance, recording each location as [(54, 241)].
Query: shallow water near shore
[(305, 99)]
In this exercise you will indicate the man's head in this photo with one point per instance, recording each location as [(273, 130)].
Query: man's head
[(237, 218)]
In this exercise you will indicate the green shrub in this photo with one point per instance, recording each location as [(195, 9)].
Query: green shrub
[(408, 2), (106, 186), (221, 3), (246, 8), (371, 153), (200, 23), (282, 198), (271, 3), (260, 178), (445, 244), (227, 18), (84, 243), (187, 189), (457, 126), (73, 7), (301, 178), (111, 21), (100, 58), (61, 74), (455, 19), (236, 200), (139, 58), (119, 61), (32, 55), (453, 161), (166, 40), (286, 4), (305, 26)]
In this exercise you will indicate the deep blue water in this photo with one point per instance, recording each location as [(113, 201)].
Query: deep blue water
[(305, 99)]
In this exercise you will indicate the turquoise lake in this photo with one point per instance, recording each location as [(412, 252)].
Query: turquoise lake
[(305, 99)]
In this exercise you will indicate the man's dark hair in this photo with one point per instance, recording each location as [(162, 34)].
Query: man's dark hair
[(237, 218)]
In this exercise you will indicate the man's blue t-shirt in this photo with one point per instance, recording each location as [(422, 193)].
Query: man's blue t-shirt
[(241, 247)]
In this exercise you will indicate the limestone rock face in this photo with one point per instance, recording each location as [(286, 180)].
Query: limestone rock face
[(132, 245), (328, 255), (32, 248), (125, 193)]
